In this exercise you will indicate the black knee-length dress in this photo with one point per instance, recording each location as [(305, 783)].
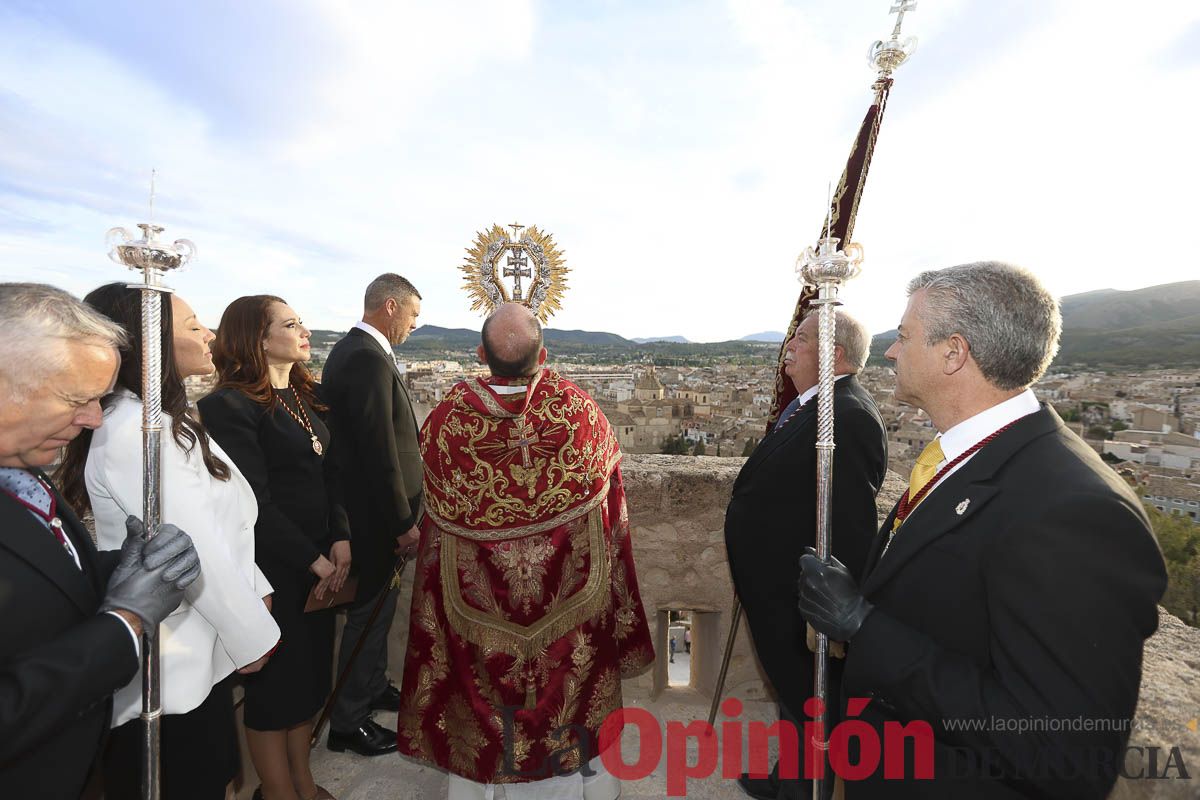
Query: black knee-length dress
[(299, 518)]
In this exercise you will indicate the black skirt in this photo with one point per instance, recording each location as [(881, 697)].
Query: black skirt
[(199, 752), (297, 679)]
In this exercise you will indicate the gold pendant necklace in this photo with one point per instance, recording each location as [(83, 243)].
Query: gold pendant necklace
[(303, 423)]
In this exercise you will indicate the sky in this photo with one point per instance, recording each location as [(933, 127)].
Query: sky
[(679, 152)]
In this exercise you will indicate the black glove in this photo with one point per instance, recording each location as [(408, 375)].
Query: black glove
[(153, 587), (829, 597)]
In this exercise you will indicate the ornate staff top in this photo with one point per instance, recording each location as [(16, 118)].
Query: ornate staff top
[(528, 253), (148, 253), (886, 56)]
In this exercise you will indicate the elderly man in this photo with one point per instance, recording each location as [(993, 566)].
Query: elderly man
[(525, 613), (70, 617), (772, 517), (1008, 595), (375, 448)]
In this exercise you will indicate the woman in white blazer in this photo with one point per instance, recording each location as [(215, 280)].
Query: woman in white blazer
[(224, 623)]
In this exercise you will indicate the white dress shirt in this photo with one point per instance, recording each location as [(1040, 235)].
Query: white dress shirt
[(972, 430), (222, 623), (811, 392)]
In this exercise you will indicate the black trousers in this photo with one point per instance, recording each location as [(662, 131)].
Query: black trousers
[(367, 678), (199, 752)]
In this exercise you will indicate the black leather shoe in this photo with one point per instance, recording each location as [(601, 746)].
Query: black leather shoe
[(371, 739), (388, 700), (759, 788)]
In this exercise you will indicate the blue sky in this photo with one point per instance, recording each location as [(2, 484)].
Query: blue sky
[(678, 151)]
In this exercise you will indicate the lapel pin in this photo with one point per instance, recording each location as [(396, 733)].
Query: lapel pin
[(961, 508)]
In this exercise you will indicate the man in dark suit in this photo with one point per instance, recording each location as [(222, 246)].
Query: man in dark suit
[(772, 516), (70, 618), (1007, 598), (374, 434)]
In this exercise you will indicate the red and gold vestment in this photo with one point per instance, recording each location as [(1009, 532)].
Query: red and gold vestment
[(526, 613)]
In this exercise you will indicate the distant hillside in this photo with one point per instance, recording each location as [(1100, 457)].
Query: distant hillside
[(558, 337), (648, 339), (765, 336), (1155, 325), (1111, 310), (431, 336)]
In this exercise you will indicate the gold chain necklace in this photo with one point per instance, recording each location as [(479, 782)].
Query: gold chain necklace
[(303, 423)]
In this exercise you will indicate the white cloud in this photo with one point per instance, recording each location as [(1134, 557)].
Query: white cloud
[(679, 154)]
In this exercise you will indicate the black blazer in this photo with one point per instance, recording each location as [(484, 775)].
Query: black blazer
[(299, 509), (60, 661), (1021, 588), (376, 450), (772, 517)]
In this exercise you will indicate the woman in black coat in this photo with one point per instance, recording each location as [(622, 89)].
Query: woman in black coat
[(266, 415)]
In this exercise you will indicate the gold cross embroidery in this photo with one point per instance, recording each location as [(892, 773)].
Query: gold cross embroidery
[(525, 436)]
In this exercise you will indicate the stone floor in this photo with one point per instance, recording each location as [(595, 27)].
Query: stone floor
[(679, 671), (352, 777)]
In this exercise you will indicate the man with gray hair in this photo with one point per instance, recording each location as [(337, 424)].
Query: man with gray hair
[(70, 618), (1007, 598), (772, 516), (374, 434)]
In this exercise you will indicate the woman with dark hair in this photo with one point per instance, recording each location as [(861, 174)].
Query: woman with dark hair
[(266, 413), (224, 623)]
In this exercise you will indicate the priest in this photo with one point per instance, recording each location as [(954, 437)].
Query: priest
[(526, 613)]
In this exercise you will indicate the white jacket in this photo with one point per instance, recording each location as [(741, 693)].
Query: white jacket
[(222, 623)]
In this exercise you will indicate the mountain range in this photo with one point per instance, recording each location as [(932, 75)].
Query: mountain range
[(1137, 327), (1140, 327)]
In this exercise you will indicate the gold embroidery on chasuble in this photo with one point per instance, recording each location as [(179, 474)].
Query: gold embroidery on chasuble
[(636, 661), (463, 735), (626, 613), (434, 668), (606, 698), (524, 561), (493, 472), (485, 624), (562, 737)]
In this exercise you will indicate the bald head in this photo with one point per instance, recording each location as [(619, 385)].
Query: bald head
[(512, 342)]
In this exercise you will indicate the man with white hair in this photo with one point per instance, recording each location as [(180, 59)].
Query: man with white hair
[(772, 516), (1007, 598), (70, 618)]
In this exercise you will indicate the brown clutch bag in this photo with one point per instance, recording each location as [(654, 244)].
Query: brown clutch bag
[(332, 599)]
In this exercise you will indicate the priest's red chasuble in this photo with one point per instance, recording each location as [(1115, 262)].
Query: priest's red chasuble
[(526, 613)]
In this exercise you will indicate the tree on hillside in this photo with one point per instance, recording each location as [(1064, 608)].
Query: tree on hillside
[(749, 448), (699, 449), (675, 446), (1179, 539)]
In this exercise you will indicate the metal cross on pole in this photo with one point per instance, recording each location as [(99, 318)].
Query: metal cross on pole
[(153, 258)]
